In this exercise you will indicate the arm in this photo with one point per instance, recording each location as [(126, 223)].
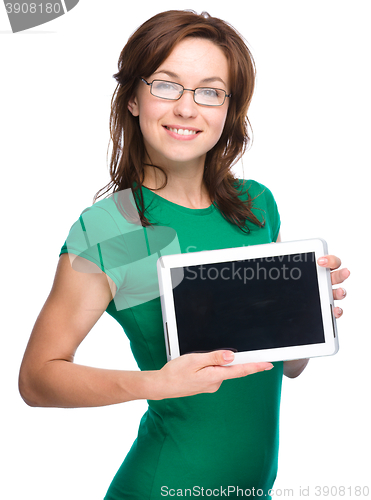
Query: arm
[(49, 377), (295, 367)]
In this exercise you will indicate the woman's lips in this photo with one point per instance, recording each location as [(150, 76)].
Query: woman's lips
[(182, 132)]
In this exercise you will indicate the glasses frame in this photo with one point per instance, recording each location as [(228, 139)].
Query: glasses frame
[(190, 90)]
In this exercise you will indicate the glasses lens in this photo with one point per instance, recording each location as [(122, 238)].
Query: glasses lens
[(166, 90), (210, 97)]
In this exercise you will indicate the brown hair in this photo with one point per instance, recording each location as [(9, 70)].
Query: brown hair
[(144, 52)]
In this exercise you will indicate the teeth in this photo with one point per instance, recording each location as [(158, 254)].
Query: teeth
[(182, 131)]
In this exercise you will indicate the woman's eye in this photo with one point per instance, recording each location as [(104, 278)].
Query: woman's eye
[(210, 92), (165, 86)]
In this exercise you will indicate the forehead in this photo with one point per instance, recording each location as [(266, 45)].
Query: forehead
[(196, 59)]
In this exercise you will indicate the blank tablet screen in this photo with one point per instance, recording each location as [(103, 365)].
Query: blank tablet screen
[(248, 305)]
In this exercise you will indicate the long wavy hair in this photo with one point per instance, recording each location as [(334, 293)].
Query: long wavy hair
[(144, 52)]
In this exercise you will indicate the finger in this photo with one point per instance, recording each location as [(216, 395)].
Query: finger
[(213, 358), (339, 276), (338, 312), (330, 261), (223, 357), (242, 370), (339, 293)]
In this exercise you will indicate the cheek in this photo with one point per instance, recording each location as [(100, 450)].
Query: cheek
[(219, 123), (224, 120), (150, 112)]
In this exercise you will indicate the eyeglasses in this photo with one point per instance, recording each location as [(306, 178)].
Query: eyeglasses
[(205, 96)]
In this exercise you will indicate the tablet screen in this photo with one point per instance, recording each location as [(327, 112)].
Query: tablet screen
[(248, 305)]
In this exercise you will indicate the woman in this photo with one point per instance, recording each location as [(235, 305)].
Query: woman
[(178, 123)]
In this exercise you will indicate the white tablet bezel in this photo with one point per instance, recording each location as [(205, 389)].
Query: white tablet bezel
[(317, 245)]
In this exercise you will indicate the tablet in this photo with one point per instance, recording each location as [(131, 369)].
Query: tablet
[(269, 302)]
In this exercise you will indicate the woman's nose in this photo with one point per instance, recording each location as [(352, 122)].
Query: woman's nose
[(186, 106)]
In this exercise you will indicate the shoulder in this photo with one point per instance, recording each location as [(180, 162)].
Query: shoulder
[(103, 222), (102, 209), (110, 216), (262, 203), (99, 215), (97, 236), (249, 188)]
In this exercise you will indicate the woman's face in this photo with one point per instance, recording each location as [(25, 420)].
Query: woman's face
[(194, 62)]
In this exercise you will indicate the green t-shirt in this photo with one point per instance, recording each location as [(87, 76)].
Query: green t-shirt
[(204, 445)]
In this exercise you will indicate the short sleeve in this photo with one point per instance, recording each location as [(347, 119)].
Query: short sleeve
[(122, 248), (95, 236)]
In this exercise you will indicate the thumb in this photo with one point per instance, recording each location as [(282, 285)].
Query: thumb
[(213, 358)]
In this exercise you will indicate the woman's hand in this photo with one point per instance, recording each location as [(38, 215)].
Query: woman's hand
[(337, 276), (196, 373), (294, 368)]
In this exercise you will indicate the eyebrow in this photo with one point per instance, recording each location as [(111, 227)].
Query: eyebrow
[(205, 80)]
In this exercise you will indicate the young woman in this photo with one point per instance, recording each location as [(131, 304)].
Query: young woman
[(178, 124)]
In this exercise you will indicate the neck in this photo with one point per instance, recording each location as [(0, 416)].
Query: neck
[(184, 187)]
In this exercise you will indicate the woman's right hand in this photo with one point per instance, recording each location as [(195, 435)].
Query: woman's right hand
[(196, 373)]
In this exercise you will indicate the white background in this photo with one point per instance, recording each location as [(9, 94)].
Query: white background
[(311, 120)]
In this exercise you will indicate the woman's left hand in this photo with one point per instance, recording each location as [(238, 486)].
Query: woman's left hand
[(337, 276), (294, 367)]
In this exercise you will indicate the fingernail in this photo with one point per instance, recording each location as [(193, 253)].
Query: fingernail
[(340, 311), (322, 260), (228, 356), (269, 367), (344, 292)]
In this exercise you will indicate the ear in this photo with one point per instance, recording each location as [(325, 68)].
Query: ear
[(133, 106)]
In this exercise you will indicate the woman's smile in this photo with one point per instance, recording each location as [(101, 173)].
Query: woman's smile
[(182, 133)]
